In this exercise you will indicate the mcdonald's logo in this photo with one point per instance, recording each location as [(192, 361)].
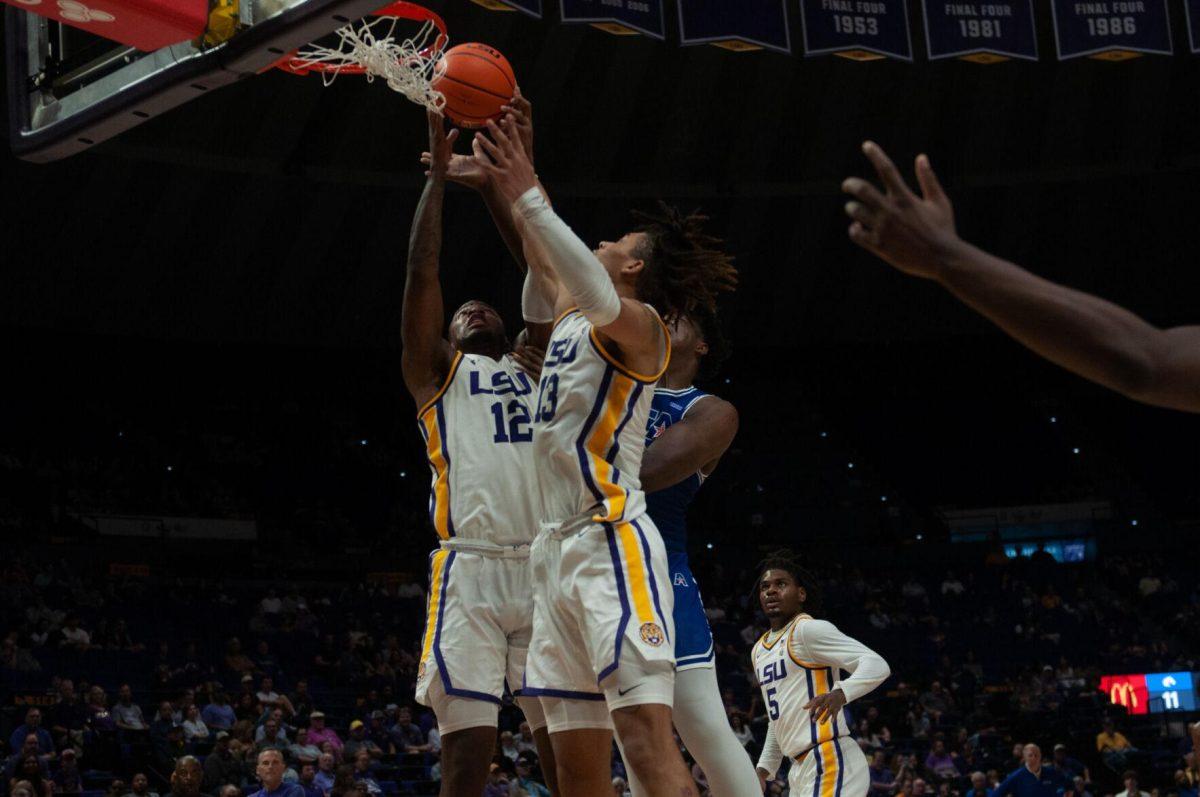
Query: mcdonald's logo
[(1123, 694), (1128, 691)]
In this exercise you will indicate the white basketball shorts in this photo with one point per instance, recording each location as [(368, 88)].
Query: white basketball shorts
[(478, 623), (602, 626), (836, 768)]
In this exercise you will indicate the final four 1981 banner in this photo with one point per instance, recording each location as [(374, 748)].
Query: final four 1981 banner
[(984, 31)]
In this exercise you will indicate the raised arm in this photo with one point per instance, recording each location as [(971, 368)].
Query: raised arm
[(426, 357), (1089, 336), (694, 444), (628, 322)]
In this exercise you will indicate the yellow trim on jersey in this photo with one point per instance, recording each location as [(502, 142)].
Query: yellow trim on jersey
[(601, 439), (437, 570), (635, 572), (615, 363), (441, 471), (783, 632), (563, 315), (445, 385)]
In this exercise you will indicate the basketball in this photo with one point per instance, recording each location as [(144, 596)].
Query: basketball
[(476, 81)]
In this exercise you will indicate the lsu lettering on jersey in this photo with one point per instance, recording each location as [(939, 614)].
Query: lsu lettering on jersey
[(591, 420), (478, 433), (804, 660)]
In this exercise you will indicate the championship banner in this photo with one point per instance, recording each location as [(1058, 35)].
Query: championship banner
[(862, 30), (1192, 9), (982, 31), (1111, 30), (620, 17), (531, 7), (741, 26)]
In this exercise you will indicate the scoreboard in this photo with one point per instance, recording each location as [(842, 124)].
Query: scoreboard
[(1152, 693)]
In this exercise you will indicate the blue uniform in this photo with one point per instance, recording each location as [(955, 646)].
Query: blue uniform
[(668, 509)]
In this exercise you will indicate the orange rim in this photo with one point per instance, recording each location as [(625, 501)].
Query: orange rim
[(293, 64)]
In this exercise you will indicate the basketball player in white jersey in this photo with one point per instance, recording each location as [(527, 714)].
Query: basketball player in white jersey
[(602, 653), (798, 664), (476, 416)]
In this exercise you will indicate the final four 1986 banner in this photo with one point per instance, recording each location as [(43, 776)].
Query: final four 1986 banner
[(622, 17), (860, 29), (1112, 30)]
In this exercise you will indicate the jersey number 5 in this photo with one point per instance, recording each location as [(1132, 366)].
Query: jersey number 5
[(518, 429), (772, 704)]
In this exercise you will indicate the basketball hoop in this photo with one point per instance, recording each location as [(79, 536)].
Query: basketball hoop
[(369, 47)]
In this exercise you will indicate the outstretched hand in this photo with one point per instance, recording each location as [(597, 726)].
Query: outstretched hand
[(913, 233), (504, 159), (462, 169), (518, 114), (441, 145)]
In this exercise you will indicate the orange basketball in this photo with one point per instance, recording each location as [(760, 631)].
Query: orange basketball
[(475, 80)]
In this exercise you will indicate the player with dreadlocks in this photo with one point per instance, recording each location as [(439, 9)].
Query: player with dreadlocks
[(602, 654), (798, 664)]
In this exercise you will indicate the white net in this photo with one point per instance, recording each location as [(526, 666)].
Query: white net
[(369, 47)]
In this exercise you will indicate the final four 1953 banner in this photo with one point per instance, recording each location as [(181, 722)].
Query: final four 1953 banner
[(622, 17), (863, 30), (1113, 30), (983, 31)]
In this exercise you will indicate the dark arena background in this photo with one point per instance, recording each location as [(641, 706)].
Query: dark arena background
[(209, 462)]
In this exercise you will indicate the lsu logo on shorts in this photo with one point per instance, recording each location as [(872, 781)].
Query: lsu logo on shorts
[(652, 634)]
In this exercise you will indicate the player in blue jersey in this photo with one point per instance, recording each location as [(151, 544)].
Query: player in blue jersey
[(687, 433)]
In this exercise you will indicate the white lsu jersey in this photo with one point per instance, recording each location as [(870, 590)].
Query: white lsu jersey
[(801, 661), (591, 423), (478, 433)]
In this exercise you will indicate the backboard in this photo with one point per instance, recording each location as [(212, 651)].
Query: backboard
[(70, 88)]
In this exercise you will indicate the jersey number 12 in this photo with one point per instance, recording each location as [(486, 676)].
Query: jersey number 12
[(517, 428)]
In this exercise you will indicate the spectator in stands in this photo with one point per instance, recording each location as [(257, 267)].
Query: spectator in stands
[(318, 734), (1032, 779), (32, 726), (271, 604), (163, 721), (272, 699), (186, 778), (940, 762), (358, 742), (247, 708), (270, 768), (497, 782), (140, 786), (73, 637), (1113, 747), (620, 788), (524, 738), (235, 660), (406, 736), (229, 790), (307, 782), (524, 779), (302, 703), (30, 770), (1187, 782), (883, 781), (1071, 767), (219, 715), (1081, 789), (304, 750), (737, 721), (68, 716), (325, 773), (67, 779), (979, 785), (362, 772), (952, 586), (937, 701), (270, 737), (220, 766), (128, 714), (508, 746), (378, 734), (1131, 786), (194, 729)]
